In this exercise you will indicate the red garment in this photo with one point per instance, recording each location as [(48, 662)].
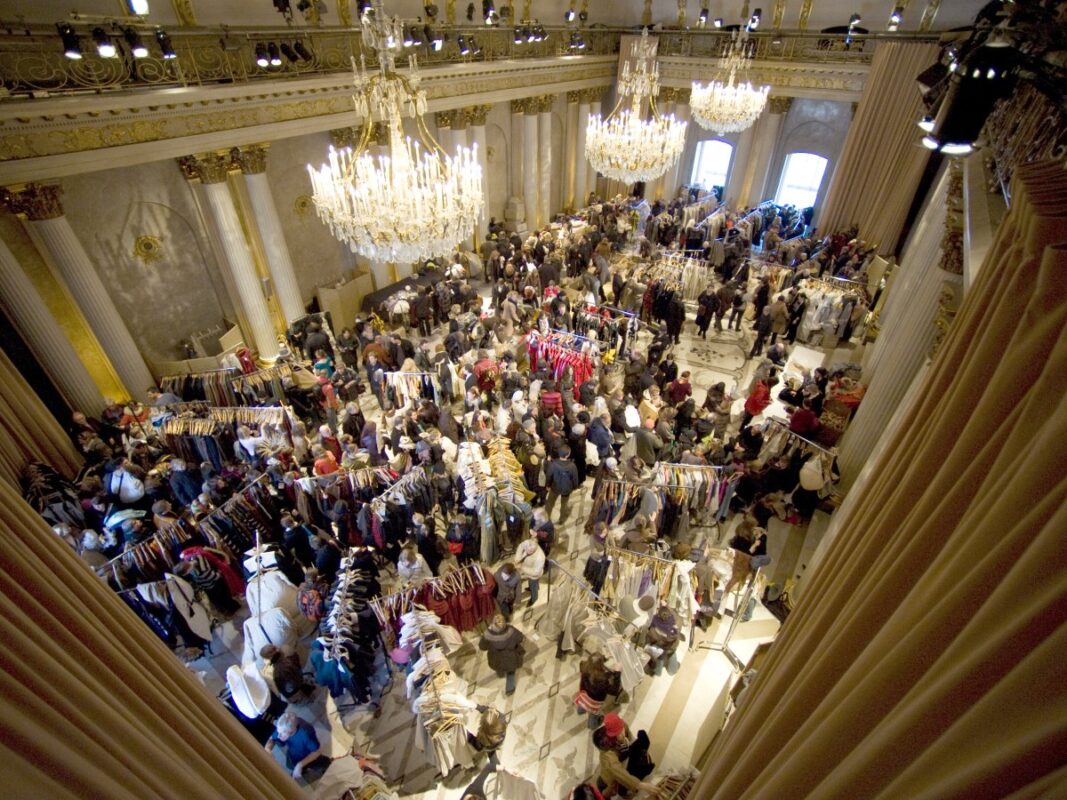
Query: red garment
[(234, 582), (326, 465), (804, 421), (486, 373), (248, 364), (759, 399), (678, 391), (329, 395), (551, 403)]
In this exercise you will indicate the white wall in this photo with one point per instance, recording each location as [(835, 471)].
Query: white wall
[(811, 126)]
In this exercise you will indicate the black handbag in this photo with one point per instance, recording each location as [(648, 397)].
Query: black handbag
[(780, 606)]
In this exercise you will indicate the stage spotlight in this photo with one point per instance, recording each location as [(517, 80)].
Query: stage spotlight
[(262, 59), (165, 46), (275, 56), (105, 48), (72, 48), (302, 51)]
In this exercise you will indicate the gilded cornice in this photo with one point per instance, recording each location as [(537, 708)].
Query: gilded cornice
[(805, 12), (252, 159), (34, 201), (835, 81)]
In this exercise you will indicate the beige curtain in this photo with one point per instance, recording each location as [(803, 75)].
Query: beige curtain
[(926, 659), (28, 431), (92, 704), (883, 159)]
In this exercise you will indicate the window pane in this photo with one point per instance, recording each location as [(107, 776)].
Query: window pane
[(801, 178), (712, 163)]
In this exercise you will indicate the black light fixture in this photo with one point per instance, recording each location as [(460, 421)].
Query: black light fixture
[(984, 76), (528, 32), (136, 45), (289, 52), (165, 46), (105, 48), (476, 49), (896, 17), (409, 39), (365, 8), (703, 18), (434, 39), (431, 11), (72, 48), (470, 12), (568, 15), (464, 50), (718, 22), (416, 36), (519, 38), (541, 35), (302, 51), (754, 20), (275, 56), (262, 59), (139, 8), (489, 12)]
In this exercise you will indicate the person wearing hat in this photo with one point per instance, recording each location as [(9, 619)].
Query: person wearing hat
[(663, 634), (613, 739)]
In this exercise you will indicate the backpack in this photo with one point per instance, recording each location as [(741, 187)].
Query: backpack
[(311, 603)]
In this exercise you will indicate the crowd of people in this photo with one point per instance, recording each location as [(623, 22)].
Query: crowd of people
[(569, 428)]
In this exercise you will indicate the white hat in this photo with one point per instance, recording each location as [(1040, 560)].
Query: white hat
[(250, 692)]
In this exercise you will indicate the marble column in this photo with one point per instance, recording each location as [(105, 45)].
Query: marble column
[(671, 180), (530, 174), (28, 312), (516, 211), (736, 179), (764, 144), (545, 165), (476, 116), (570, 149), (581, 163), (590, 174), (253, 163), (906, 335), (211, 169), (44, 212)]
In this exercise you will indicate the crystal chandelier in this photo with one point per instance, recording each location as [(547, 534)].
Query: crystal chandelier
[(414, 202), (624, 146), (731, 106)]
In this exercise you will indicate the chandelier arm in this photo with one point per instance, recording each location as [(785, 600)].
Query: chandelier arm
[(428, 138)]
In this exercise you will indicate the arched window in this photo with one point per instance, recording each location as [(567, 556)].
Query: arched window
[(801, 179), (712, 163)]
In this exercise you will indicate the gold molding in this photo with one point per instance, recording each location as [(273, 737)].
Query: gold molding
[(542, 103), (34, 201), (303, 205), (252, 159), (575, 96), (805, 12), (344, 13), (184, 11), (929, 14), (779, 14)]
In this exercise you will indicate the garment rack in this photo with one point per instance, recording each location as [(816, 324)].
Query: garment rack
[(637, 556), (582, 585), (830, 451)]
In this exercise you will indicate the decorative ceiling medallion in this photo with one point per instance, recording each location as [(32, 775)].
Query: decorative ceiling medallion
[(148, 248), (303, 204)]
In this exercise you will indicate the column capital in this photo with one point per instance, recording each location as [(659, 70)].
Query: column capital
[(444, 119), (594, 94), (779, 104), (575, 96), (522, 105), (205, 167), (252, 159), (345, 137), (475, 115), (543, 103), (34, 201)]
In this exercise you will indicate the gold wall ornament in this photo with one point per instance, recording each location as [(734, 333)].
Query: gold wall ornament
[(344, 13), (805, 13), (445, 119), (929, 15), (779, 14), (148, 248), (952, 242), (521, 105), (34, 201), (183, 10), (252, 159), (779, 104), (543, 103), (303, 205), (476, 115), (681, 13), (948, 305), (575, 96), (646, 14), (206, 167)]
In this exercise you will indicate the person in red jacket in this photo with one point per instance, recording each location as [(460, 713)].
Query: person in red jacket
[(678, 391), (551, 400), (804, 421), (756, 402)]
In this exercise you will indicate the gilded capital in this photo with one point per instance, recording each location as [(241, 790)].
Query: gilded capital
[(594, 95), (575, 97), (205, 167), (476, 115), (379, 133), (344, 137), (545, 102), (34, 201), (444, 119), (667, 95), (779, 105), (252, 159), (521, 106)]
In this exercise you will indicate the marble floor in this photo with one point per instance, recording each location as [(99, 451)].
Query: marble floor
[(548, 741)]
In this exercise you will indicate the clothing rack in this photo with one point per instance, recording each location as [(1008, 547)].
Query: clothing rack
[(236, 496), (676, 465), (829, 451), (649, 484), (582, 585), (575, 335), (397, 372), (636, 556)]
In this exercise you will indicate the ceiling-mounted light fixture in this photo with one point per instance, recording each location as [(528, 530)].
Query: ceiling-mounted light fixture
[(105, 48), (854, 20), (409, 38), (275, 56), (365, 8), (896, 18), (138, 7), (489, 12), (519, 38), (262, 59), (289, 52), (72, 48), (431, 10), (568, 15), (754, 20), (165, 46), (927, 123), (302, 51), (718, 22), (416, 36), (464, 49), (435, 40), (133, 39), (703, 18)]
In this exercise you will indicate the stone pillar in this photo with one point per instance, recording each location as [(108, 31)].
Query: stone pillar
[(28, 312), (570, 149), (211, 169), (590, 174), (515, 213), (906, 337), (765, 142), (671, 179), (253, 163), (43, 210), (475, 117), (581, 163), (544, 160), (530, 174), (736, 179)]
